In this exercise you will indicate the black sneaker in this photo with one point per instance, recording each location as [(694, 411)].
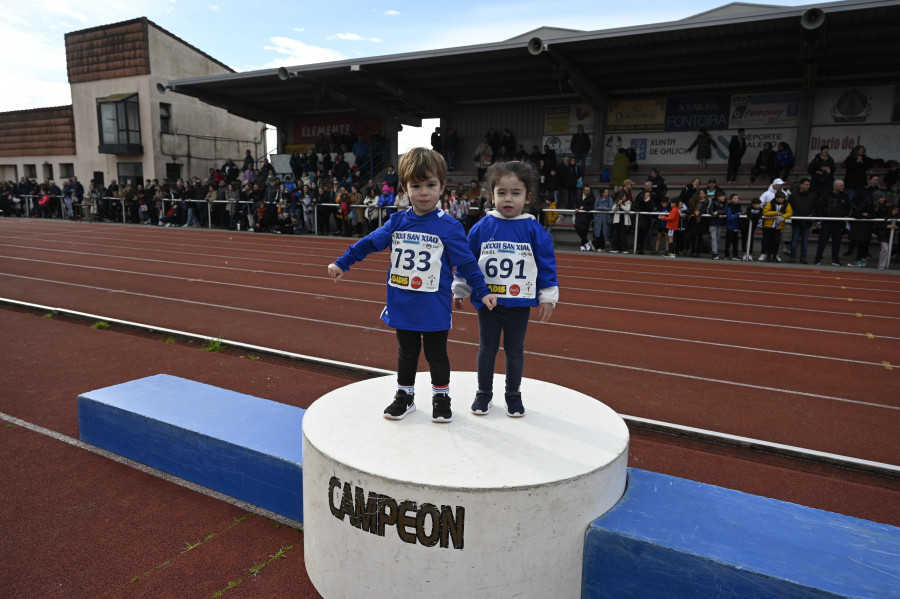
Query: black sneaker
[(482, 403), (440, 408), (402, 405), (514, 407)]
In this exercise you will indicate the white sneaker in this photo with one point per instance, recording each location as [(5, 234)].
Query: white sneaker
[(762, 258), (777, 258)]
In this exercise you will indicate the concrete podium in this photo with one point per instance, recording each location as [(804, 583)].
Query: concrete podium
[(485, 506)]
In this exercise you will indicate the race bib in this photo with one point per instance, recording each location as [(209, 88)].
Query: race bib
[(509, 269), (416, 261)]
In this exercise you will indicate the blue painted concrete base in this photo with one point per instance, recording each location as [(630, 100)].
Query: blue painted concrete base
[(240, 445), (674, 538)]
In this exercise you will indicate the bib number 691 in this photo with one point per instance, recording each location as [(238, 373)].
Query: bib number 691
[(504, 268)]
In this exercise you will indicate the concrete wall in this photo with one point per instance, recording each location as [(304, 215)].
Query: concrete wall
[(202, 136), (13, 168), (223, 134)]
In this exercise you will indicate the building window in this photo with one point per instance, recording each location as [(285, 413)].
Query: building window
[(30, 170), (130, 173), (119, 122), (165, 115), (66, 170), (48, 171), (173, 171)]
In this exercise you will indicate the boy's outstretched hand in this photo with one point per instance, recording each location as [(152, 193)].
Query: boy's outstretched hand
[(490, 300), (335, 272), (545, 311)]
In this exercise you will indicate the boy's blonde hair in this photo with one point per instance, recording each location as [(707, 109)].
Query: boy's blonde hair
[(419, 164)]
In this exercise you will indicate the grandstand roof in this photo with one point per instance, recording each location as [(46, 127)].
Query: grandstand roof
[(720, 50)]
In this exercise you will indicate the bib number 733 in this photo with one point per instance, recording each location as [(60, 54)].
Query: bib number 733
[(416, 262), (411, 259)]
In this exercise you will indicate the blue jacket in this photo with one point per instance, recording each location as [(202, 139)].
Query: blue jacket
[(406, 308), (510, 240), (733, 218)]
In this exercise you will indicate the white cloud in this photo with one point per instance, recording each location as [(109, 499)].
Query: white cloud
[(296, 52), (391, 13), (33, 94), (354, 37), (347, 36), (299, 29), (214, 7), (59, 8)]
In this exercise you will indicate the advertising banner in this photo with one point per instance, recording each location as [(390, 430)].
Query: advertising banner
[(881, 142), (636, 115), (693, 114), (668, 148), (854, 105), (562, 119), (308, 130), (764, 110), (561, 144)]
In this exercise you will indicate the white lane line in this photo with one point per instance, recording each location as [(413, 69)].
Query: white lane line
[(633, 420), (460, 342), (756, 350), (777, 448), (660, 270), (151, 471), (740, 291), (722, 276), (717, 277), (280, 290), (580, 305)]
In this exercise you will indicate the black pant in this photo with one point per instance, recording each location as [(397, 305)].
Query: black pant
[(771, 241), (513, 323), (731, 243), (831, 229), (582, 234), (410, 343), (620, 242), (733, 168)]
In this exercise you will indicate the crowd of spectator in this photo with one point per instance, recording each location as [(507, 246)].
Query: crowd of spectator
[(326, 193), (860, 205)]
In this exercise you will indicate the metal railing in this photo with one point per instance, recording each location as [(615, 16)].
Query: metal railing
[(813, 219), (384, 211)]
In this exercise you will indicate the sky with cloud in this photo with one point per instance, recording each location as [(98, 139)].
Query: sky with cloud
[(248, 36)]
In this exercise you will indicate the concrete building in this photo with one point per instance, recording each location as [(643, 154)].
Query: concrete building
[(119, 125)]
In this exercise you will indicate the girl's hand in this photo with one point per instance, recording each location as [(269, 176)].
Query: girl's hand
[(545, 311), (458, 303), (335, 272), (490, 300)]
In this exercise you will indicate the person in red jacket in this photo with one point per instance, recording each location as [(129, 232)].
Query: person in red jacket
[(671, 219)]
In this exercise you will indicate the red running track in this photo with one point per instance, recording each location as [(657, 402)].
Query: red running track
[(775, 353)]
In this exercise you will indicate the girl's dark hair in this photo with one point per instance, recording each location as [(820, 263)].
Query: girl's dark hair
[(523, 171)]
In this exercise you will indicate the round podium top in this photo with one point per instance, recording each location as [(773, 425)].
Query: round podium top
[(564, 435)]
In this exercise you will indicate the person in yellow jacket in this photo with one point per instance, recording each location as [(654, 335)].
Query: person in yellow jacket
[(774, 215), (549, 213)]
